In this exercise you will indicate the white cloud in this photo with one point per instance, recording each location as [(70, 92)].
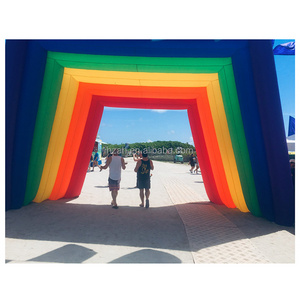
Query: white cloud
[(107, 108), (191, 141), (160, 111), (105, 124), (171, 131)]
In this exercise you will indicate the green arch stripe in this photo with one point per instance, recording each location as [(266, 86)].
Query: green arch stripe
[(238, 138), (70, 58), (43, 126), (222, 66)]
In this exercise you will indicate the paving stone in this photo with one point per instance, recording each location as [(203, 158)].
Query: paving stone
[(208, 231)]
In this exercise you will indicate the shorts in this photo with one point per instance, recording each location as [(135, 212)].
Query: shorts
[(114, 185), (143, 184)]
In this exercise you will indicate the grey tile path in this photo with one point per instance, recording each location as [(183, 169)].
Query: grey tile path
[(212, 237), (181, 226)]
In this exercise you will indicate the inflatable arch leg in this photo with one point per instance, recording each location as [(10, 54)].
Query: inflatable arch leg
[(28, 93), (269, 108), (85, 149)]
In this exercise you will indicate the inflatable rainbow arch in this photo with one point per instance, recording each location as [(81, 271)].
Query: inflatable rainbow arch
[(56, 91)]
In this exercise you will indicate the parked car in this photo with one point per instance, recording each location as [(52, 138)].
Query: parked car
[(178, 158)]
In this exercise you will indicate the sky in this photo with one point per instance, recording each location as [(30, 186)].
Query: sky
[(285, 68), (144, 125), (120, 125)]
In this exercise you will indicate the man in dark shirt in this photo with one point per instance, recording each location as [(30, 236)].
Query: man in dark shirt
[(143, 167)]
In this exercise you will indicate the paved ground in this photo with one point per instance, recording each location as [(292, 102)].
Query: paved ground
[(181, 226)]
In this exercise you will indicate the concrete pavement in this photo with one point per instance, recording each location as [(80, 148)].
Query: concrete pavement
[(181, 226)]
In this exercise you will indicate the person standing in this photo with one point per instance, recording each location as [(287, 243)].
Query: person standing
[(136, 157), (192, 162), (196, 164), (115, 163), (95, 162), (143, 167), (91, 162)]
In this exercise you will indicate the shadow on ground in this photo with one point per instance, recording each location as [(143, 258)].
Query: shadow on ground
[(98, 224), (147, 256), (156, 227), (66, 254), (250, 225)]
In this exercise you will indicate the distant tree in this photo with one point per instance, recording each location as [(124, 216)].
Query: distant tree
[(174, 145)]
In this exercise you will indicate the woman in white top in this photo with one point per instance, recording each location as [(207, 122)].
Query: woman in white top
[(115, 163)]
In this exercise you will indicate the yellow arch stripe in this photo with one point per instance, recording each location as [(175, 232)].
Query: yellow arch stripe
[(226, 150), (67, 100), (142, 78), (58, 136), (140, 75)]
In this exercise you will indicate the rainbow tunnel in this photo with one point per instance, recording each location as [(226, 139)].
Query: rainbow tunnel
[(56, 91)]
